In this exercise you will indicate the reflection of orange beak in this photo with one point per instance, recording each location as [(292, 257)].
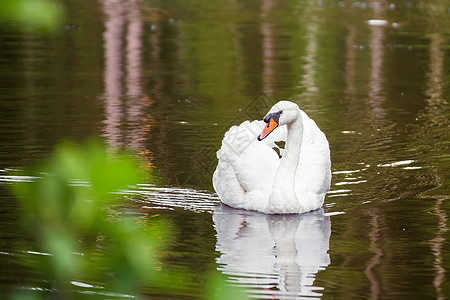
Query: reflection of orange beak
[(268, 129)]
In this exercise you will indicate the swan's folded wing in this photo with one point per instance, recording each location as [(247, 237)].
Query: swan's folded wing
[(253, 163)]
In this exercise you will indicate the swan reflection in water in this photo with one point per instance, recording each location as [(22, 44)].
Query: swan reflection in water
[(272, 255)]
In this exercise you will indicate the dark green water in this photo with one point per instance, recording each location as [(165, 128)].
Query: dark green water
[(168, 78)]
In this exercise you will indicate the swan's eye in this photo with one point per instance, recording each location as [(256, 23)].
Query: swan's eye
[(280, 112)]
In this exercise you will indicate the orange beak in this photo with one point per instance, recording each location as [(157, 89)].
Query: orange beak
[(271, 125)]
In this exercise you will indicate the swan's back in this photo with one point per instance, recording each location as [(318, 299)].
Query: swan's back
[(313, 176)]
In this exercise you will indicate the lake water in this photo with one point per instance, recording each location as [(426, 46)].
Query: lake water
[(167, 79)]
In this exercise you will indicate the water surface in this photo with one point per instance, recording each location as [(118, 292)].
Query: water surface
[(167, 79)]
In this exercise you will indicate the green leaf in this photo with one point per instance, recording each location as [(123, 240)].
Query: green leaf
[(218, 289)]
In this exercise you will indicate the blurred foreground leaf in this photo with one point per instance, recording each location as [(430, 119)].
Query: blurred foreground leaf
[(77, 223), (218, 289), (30, 15)]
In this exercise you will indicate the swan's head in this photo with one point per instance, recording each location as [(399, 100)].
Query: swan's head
[(283, 112)]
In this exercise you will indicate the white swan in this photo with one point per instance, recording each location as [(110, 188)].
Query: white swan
[(250, 175)]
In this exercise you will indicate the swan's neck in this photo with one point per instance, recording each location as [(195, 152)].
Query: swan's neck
[(283, 189)]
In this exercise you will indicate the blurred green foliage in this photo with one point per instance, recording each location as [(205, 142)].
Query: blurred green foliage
[(84, 236), (31, 15), (75, 220), (218, 289)]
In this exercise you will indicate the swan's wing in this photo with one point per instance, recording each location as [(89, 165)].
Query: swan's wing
[(246, 166)]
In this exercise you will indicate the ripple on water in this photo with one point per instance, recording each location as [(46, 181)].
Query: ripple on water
[(170, 198), (16, 178), (346, 177)]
